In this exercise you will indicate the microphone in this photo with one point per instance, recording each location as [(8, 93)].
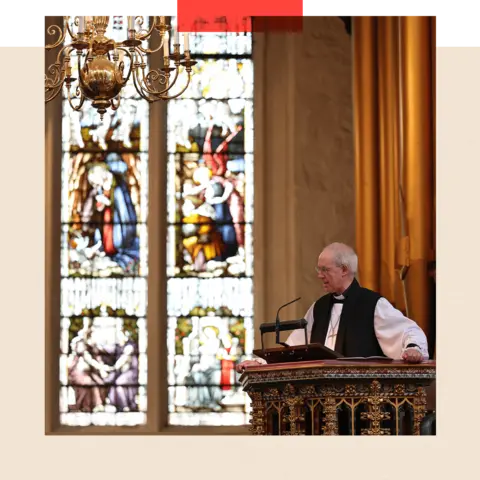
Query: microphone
[(277, 322), (278, 326)]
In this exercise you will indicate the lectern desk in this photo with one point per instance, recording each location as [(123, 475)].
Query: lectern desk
[(337, 396)]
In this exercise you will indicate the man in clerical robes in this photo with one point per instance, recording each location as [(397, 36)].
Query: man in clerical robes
[(353, 320)]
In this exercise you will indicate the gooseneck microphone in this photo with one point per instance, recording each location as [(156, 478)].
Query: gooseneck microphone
[(277, 326), (277, 322)]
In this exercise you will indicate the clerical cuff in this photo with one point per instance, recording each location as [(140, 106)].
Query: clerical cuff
[(413, 346)]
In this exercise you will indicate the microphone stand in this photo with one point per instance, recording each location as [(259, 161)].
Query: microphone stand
[(277, 323), (279, 326)]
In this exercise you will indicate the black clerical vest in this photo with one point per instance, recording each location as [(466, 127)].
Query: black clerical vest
[(356, 334)]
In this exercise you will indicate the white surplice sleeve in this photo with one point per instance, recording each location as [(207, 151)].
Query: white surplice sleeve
[(395, 331), (297, 337)]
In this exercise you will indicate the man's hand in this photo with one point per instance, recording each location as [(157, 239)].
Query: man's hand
[(412, 355), (247, 363)]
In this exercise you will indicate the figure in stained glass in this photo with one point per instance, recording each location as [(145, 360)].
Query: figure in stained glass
[(202, 240), (214, 229), (205, 363), (103, 367), (216, 160), (107, 213), (124, 374), (203, 375), (228, 355), (223, 195), (86, 372)]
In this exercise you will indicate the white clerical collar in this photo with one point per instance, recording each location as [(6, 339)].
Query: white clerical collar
[(342, 296)]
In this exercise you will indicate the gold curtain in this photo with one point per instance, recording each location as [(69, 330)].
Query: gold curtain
[(394, 122)]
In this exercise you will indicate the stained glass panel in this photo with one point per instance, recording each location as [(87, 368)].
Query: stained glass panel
[(209, 240), (228, 44), (103, 361), (221, 79)]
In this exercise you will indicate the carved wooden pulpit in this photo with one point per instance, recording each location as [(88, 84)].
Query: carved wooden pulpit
[(338, 397)]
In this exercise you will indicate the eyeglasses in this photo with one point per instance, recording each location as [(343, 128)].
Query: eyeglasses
[(322, 269)]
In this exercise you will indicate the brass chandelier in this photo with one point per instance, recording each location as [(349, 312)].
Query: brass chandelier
[(101, 67)]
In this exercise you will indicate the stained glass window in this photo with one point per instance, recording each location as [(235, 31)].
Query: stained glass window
[(209, 244), (103, 362)]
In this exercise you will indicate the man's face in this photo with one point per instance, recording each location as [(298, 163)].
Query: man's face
[(332, 276)]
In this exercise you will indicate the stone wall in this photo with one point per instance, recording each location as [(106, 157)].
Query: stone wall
[(304, 160)]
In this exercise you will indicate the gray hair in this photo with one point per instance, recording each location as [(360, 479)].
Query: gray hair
[(344, 256)]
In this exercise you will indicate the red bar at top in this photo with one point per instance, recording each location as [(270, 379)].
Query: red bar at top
[(220, 16)]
